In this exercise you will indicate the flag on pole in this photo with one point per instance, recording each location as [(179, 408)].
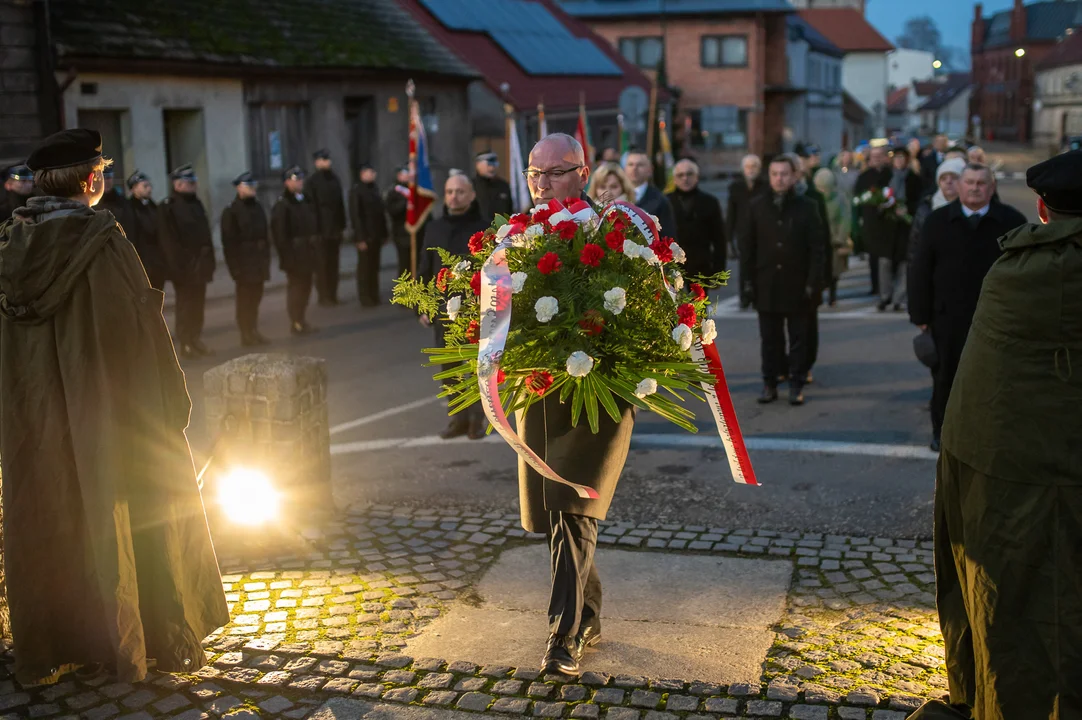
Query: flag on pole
[(666, 154), (625, 144), (520, 192), (421, 191), (542, 124), (582, 132)]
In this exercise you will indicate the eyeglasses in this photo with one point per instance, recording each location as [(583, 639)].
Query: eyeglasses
[(535, 175), (685, 175)]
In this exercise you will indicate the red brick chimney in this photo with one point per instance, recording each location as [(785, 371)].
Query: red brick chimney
[(977, 37), (1018, 21)]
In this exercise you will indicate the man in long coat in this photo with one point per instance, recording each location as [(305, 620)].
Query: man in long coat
[(246, 246), (325, 192), (493, 192), (957, 248), (741, 192), (1008, 541), (698, 222), (106, 548), (558, 170), (295, 231), (141, 227), (369, 218), (876, 228)]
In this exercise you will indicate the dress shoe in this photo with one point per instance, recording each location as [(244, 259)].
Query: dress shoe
[(477, 428), (882, 306), (202, 349), (302, 328), (559, 659), (588, 637), (898, 307), (457, 427), (770, 394), (796, 395), (934, 445)]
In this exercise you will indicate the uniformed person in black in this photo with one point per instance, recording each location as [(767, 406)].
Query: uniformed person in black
[(113, 199), (184, 234), (295, 230), (18, 182), (396, 202), (325, 191), (493, 192), (246, 246), (140, 223), (369, 220)]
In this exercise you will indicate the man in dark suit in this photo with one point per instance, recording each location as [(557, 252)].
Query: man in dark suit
[(781, 264), (246, 246), (140, 224), (324, 189), (493, 192), (295, 230), (958, 245), (931, 160), (876, 228), (369, 218), (741, 192), (648, 197), (699, 222)]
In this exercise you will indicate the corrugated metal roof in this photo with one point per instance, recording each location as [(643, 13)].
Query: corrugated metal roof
[(633, 8), (1046, 20)]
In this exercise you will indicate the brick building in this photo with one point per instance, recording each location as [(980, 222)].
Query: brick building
[(1006, 47), (728, 65)]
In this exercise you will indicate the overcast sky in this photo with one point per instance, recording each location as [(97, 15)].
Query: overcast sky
[(954, 17)]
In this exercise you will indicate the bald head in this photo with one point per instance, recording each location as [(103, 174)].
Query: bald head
[(458, 194), (557, 168), (686, 175)]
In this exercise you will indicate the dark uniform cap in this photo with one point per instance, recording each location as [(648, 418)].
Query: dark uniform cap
[(1058, 181), (19, 172), (107, 172), (137, 177), (295, 172), (487, 157), (184, 172), (812, 150), (245, 178), (321, 155), (66, 148)]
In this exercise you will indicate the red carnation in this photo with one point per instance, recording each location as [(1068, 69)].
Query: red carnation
[(542, 216), (538, 382), (686, 313), (591, 255), (441, 279), (500, 377), (619, 224), (520, 219), (473, 332), (662, 250), (567, 229), (697, 291), (477, 242), (475, 283), (592, 322), (549, 263), (615, 240)]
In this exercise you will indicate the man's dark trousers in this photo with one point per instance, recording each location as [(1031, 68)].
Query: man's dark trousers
[(327, 273), (575, 600), (249, 295), (772, 327), (368, 276), (190, 303), (298, 290)]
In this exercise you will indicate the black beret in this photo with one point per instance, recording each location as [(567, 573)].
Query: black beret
[(19, 172), (66, 148), (137, 177), (294, 172), (321, 155), (1058, 181), (245, 178), (184, 172)]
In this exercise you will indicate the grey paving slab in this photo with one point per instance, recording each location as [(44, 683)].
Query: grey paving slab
[(349, 709), (653, 587)]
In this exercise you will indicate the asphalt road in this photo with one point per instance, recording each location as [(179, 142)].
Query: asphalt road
[(853, 460)]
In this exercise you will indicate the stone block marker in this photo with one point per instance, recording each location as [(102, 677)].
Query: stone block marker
[(271, 409)]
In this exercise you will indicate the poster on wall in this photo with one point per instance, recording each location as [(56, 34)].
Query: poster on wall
[(274, 141)]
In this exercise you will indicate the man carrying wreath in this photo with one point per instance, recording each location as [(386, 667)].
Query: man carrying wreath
[(557, 170)]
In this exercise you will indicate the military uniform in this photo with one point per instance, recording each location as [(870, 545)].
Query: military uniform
[(369, 227), (1008, 502), (325, 191), (9, 199), (493, 193), (246, 246), (113, 199), (184, 235), (396, 203), (140, 224), (295, 231)]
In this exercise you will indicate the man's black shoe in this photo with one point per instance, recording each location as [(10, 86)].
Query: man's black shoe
[(934, 445), (882, 305), (770, 394), (202, 349), (898, 307), (559, 659), (259, 338), (477, 428), (796, 395), (588, 637), (248, 340), (458, 427), (302, 328)]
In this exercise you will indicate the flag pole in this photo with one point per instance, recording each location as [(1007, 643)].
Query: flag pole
[(651, 122), (542, 127), (507, 110), (410, 89)]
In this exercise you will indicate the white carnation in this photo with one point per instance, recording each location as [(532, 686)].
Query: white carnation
[(632, 248), (560, 217), (460, 267), (682, 335), (503, 231), (518, 281), (709, 331), (657, 223), (546, 308), (678, 254), (579, 364), (649, 256), (535, 231), (677, 280), (645, 387), (615, 300), (454, 305)]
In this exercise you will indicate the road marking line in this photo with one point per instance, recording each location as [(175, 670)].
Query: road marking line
[(383, 414), (672, 440)]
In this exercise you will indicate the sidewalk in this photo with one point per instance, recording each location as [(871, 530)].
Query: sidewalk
[(395, 612)]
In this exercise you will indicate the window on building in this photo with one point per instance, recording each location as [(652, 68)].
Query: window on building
[(644, 52), (719, 127), (279, 134), (724, 51)]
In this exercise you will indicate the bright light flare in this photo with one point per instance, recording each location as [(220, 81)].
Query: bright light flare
[(247, 496), (937, 64), (1020, 52)]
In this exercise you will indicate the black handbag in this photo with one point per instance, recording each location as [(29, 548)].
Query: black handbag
[(924, 348)]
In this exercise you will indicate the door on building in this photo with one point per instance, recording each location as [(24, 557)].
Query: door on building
[(361, 125), (186, 144), (110, 124)]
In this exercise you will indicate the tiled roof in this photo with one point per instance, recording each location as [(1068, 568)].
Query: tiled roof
[(847, 28), (313, 34), (633, 8), (815, 39), (1046, 20), (1067, 52), (952, 87), (559, 92), (924, 88), (897, 100)]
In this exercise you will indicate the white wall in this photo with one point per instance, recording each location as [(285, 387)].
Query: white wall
[(864, 76), (142, 100), (904, 67)]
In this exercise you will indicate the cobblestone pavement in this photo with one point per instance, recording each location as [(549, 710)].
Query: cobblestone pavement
[(859, 638)]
